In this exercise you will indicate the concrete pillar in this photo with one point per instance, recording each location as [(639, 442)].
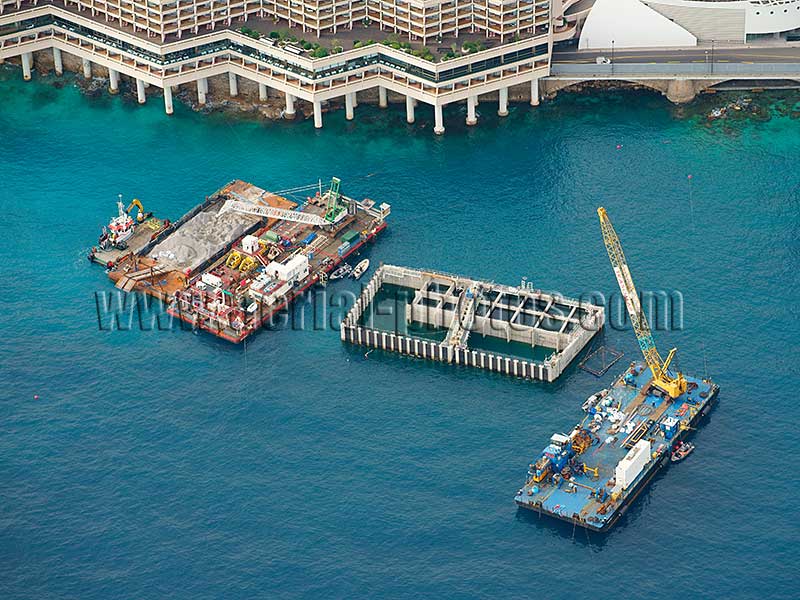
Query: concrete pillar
[(383, 100), (202, 90), (57, 62), (168, 99), (289, 112), (348, 106), (534, 92), (409, 109), (472, 119), (262, 92), (355, 100), (502, 109), (140, 91), (438, 127), (27, 64), (113, 81), (87, 68), (317, 114), (234, 84)]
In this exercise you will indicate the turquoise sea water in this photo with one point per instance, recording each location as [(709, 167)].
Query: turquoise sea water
[(163, 464)]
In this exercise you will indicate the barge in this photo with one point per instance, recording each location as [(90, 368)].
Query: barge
[(591, 475), (241, 256), (264, 270)]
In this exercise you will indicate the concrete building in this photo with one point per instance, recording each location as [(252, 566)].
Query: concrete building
[(484, 47), (673, 23)]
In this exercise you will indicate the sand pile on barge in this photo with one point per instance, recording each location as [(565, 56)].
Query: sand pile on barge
[(201, 237)]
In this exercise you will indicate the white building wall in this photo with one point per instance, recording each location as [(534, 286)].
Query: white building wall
[(779, 16), (630, 24), (720, 21), (716, 20)]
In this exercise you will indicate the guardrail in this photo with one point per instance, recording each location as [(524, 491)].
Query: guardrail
[(749, 70)]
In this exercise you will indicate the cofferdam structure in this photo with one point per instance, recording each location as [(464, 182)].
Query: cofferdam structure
[(516, 331), (481, 47)]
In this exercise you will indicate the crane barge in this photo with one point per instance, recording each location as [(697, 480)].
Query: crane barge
[(591, 475)]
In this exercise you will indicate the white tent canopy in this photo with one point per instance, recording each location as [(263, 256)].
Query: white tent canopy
[(630, 24)]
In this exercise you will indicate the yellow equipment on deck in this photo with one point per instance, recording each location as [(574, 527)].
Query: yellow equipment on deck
[(140, 215), (247, 263), (593, 470), (233, 260), (663, 379)]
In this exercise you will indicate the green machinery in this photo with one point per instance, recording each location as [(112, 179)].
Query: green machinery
[(334, 207)]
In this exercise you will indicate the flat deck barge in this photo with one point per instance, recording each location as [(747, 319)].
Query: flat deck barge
[(591, 475), (235, 260), (292, 247)]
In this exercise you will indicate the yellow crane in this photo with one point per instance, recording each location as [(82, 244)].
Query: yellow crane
[(140, 215), (674, 385)]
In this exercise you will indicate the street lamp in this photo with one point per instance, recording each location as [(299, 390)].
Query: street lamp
[(612, 57), (712, 56)]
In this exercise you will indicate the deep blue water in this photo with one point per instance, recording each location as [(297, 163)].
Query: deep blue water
[(163, 464)]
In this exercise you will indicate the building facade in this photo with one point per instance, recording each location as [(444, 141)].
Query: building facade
[(172, 44)]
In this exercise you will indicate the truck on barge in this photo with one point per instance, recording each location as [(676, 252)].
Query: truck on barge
[(592, 475)]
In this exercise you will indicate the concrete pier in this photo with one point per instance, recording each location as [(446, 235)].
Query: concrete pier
[(458, 309), (262, 92), (502, 109), (318, 114), (348, 106), (87, 68), (438, 127), (383, 99), (202, 90), (113, 81), (472, 119), (168, 99), (58, 64), (140, 95), (233, 84), (27, 64), (409, 109), (534, 92), (289, 112)]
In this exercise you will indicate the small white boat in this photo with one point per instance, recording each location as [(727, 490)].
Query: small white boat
[(360, 269), (593, 400), (342, 271)]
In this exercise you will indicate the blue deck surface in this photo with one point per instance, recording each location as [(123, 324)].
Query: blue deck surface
[(631, 404)]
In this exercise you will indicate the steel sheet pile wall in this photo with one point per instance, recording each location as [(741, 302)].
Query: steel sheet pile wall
[(353, 332)]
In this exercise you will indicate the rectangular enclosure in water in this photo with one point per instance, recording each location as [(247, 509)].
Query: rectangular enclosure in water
[(449, 318)]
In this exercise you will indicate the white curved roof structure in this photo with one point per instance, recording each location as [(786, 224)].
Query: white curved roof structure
[(630, 24)]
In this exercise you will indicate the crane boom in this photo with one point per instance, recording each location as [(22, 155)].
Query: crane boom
[(272, 212), (662, 378)]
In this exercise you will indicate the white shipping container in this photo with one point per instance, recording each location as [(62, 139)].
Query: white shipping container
[(628, 468), (250, 244), (293, 270)]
